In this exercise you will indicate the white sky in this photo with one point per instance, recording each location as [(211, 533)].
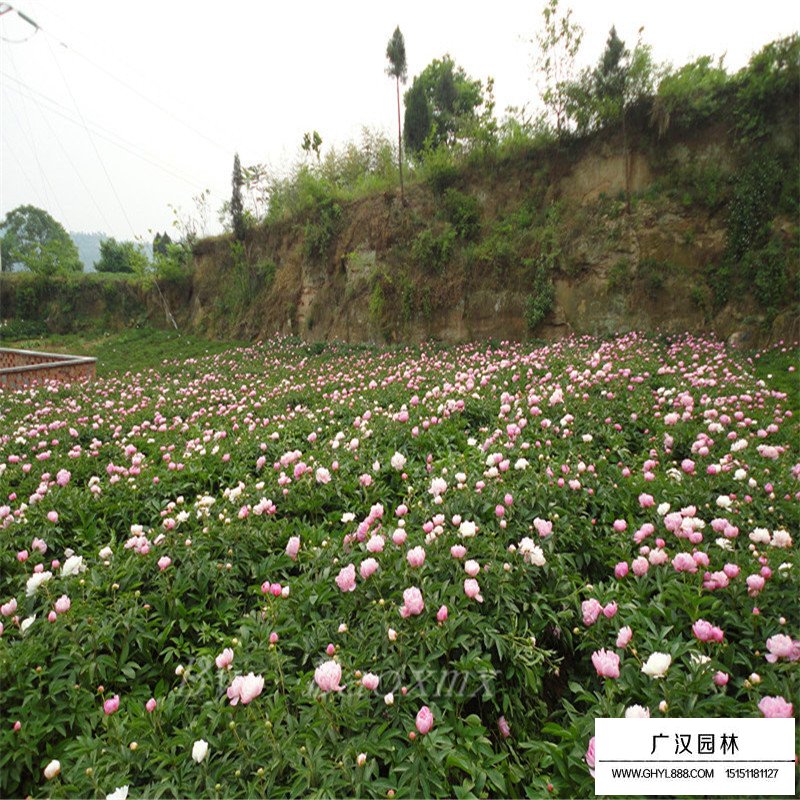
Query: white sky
[(185, 84)]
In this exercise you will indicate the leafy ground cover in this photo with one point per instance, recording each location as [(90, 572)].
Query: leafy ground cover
[(292, 570)]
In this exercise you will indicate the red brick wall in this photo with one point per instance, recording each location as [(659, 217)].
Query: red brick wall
[(21, 368)]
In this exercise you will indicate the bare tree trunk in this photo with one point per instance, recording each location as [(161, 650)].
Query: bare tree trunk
[(625, 164), (400, 145)]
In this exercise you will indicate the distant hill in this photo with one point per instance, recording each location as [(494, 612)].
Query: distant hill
[(88, 245)]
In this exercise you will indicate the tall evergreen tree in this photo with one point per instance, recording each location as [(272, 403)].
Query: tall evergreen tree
[(417, 119), (396, 53), (237, 206)]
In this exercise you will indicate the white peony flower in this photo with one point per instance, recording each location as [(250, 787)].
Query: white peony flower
[(106, 553), (781, 538), (72, 566), (398, 461), (26, 623), (35, 581), (52, 769), (200, 750), (120, 793), (637, 712), (467, 529), (657, 665)]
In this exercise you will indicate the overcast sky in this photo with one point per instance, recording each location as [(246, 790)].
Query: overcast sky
[(112, 111)]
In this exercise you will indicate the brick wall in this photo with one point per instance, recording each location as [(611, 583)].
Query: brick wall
[(21, 368)]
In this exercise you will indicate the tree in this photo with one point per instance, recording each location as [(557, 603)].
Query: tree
[(558, 45), (312, 142), (237, 206), (452, 100), (121, 257), (161, 243), (418, 118), (396, 54), (33, 240)]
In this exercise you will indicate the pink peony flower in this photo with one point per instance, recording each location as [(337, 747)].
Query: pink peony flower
[(224, 659), (775, 707), (504, 727), (589, 757), (416, 557), (621, 570), (755, 583), (293, 547), (150, 705), (368, 567), (721, 678), (8, 609), (424, 721), (346, 579), (606, 662), (245, 688), (63, 604), (458, 551), (591, 610), (472, 590), (472, 568), (412, 602), (164, 562), (640, 566), (441, 614), (370, 681), (328, 676), (111, 705), (782, 646), (624, 636), (706, 632), (610, 610)]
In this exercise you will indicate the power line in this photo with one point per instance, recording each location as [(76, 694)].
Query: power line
[(127, 85), (99, 130), (24, 172), (31, 138), (91, 140), (78, 173)]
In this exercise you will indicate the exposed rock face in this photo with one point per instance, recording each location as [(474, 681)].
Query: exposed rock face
[(628, 254)]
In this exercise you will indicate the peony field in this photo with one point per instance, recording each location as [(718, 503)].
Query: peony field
[(293, 570)]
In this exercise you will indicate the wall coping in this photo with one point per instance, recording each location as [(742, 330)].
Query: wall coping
[(58, 360)]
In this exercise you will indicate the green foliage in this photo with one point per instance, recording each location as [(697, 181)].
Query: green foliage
[(161, 243), (439, 169), (376, 304), (689, 95), (121, 257), (540, 300), (417, 119), (321, 228), (619, 275), (396, 56), (602, 96), (33, 240), (557, 45), (773, 72), (175, 263), (312, 142), (452, 99), (751, 207), (768, 268), (463, 212), (432, 251), (700, 182), (397, 69), (237, 205)]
